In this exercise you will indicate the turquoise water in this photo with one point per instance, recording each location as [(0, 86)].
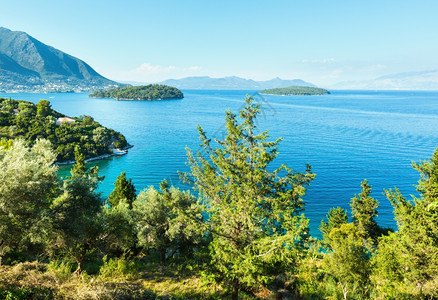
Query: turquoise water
[(346, 137)]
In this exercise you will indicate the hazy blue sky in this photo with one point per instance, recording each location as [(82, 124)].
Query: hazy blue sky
[(323, 42)]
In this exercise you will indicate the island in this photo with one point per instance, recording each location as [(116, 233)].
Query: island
[(295, 90), (144, 92), (23, 119)]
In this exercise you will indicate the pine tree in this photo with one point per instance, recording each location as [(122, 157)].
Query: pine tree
[(349, 260), (335, 218), (364, 210), (124, 191), (416, 241), (254, 211)]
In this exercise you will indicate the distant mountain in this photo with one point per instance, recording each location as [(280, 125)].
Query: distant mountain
[(231, 83), (27, 64), (425, 80)]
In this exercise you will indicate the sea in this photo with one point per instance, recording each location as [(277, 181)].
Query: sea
[(346, 136)]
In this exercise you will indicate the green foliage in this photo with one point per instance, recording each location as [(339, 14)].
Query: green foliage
[(349, 259), (12, 293), (167, 221), (415, 244), (364, 211), (250, 212), (62, 269), (336, 217), (79, 166), (349, 246), (6, 144), (124, 191), (120, 229), (44, 108), (145, 92), (28, 180), (118, 268), (31, 122), (254, 212), (295, 90), (76, 216)]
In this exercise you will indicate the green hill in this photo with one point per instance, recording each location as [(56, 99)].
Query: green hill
[(23, 119), (295, 90), (145, 92)]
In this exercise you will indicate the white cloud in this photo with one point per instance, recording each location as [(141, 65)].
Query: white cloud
[(147, 72)]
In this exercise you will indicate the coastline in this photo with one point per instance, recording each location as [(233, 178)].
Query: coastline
[(116, 152)]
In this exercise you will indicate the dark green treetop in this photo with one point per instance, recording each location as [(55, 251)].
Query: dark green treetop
[(124, 191)]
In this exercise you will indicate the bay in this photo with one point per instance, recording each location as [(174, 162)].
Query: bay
[(346, 136)]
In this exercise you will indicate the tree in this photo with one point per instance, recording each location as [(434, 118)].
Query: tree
[(167, 220), (416, 241), (28, 181), (124, 191), (76, 214), (253, 210), (120, 233), (349, 260), (336, 217), (44, 108), (364, 211)]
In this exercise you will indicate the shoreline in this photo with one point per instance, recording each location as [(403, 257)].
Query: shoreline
[(119, 152)]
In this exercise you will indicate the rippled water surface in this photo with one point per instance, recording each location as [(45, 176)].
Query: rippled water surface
[(346, 137)]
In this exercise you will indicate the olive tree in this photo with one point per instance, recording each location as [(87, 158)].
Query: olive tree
[(28, 182)]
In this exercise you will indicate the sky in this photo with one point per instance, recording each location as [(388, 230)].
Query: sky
[(323, 42)]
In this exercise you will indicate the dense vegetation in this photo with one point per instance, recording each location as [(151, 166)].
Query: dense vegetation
[(244, 235), (295, 90), (145, 92), (23, 119)]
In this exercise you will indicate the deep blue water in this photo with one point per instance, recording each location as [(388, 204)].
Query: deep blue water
[(346, 136)]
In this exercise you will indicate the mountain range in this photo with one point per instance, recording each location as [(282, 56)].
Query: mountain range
[(231, 83), (424, 80), (28, 65)]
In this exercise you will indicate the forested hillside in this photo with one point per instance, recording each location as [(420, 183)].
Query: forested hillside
[(145, 92), (23, 119), (295, 90)]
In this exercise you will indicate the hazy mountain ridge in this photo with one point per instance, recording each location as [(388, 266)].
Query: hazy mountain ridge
[(231, 83), (424, 80), (27, 64)]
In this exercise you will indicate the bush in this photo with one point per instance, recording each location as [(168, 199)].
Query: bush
[(120, 268)]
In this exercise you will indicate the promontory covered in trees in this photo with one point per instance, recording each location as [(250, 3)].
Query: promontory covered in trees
[(23, 119), (295, 90), (144, 92)]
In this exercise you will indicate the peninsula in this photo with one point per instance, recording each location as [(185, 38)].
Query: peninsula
[(295, 90), (25, 120), (144, 92)]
